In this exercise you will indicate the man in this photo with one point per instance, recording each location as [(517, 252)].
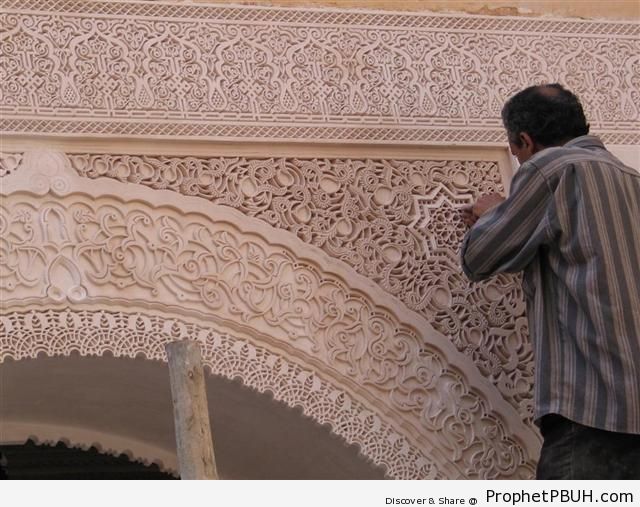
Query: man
[(572, 224)]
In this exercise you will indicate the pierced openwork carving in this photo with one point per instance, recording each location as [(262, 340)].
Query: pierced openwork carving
[(243, 72), (84, 250), (397, 222)]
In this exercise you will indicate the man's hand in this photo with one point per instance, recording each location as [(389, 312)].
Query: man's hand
[(471, 213)]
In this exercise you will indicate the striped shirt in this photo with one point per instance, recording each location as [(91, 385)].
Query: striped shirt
[(572, 224)]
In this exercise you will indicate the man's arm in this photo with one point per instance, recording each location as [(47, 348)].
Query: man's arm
[(507, 237)]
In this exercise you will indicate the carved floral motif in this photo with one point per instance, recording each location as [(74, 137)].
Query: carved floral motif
[(9, 163), (397, 222), (235, 73), (86, 250)]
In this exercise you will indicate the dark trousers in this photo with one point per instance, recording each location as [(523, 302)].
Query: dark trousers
[(573, 451)]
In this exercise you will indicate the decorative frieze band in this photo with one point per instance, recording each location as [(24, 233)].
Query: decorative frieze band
[(154, 69), (242, 14)]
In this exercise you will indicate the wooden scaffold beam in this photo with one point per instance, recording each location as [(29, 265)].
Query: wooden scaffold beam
[(194, 443)]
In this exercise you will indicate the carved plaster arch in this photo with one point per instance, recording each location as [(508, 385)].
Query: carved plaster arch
[(318, 310), (394, 221), (122, 334), (63, 332)]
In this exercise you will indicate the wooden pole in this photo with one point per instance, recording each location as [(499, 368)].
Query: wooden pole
[(191, 415)]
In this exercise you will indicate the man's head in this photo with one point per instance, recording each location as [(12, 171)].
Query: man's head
[(542, 116)]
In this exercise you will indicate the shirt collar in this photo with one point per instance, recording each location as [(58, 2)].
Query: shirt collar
[(585, 142)]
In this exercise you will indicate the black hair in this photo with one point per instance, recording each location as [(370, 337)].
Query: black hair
[(549, 113)]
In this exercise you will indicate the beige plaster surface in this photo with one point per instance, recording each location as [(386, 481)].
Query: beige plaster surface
[(590, 9)]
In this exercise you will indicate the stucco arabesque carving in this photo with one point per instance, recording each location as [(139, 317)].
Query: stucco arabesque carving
[(219, 72), (397, 222), (41, 171), (76, 247)]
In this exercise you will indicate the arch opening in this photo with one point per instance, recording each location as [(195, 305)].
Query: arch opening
[(123, 405)]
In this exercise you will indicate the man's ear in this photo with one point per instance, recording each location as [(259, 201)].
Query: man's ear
[(527, 142)]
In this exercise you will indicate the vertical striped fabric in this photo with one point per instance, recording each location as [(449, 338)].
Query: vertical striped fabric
[(572, 224)]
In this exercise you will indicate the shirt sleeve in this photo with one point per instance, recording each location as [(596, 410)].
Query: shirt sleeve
[(507, 238)]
